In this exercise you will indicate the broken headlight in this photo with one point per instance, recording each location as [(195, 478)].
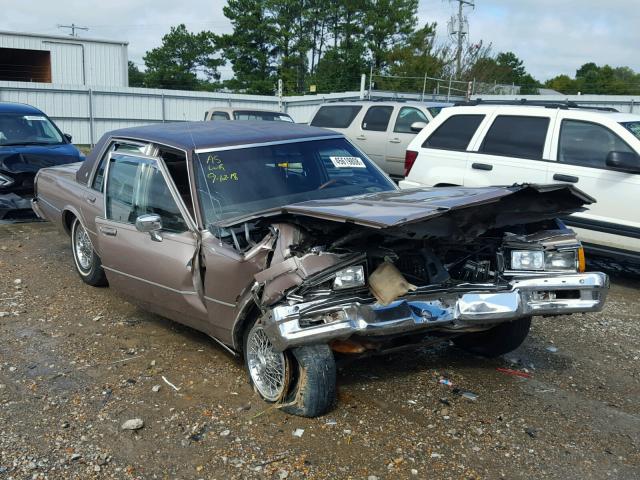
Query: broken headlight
[(349, 277), (527, 260), (565, 261)]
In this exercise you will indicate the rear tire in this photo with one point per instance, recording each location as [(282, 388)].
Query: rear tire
[(301, 380), (87, 262), (502, 339)]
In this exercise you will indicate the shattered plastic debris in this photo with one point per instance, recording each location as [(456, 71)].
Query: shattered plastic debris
[(552, 349), (298, 432), (469, 395), (514, 373), (445, 381)]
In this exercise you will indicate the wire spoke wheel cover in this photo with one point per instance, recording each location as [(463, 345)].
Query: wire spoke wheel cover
[(83, 247), (269, 369)]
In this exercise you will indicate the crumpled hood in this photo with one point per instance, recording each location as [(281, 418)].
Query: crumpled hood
[(31, 158), (405, 207)]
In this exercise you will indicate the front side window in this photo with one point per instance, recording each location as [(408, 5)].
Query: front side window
[(240, 182), (516, 136), (588, 144), (137, 187), (408, 116), (19, 129), (377, 118), (455, 133), (633, 127), (335, 116), (98, 179)]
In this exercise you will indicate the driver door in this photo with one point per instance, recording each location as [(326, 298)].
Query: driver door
[(154, 270)]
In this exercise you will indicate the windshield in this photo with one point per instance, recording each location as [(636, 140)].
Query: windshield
[(239, 182), (258, 115), (19, 129), (633, 127)]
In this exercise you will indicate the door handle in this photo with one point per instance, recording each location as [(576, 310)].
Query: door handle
[(565, 178), (394, 140), (361, 137), (109, 231), (90, 199), (482, 166)]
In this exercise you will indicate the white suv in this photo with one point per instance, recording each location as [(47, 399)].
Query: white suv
[(596, 150), (382, 130)]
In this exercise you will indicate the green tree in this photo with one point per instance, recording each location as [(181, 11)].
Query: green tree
[(250, 47), (182, 61), (136, 77), (388, 23)]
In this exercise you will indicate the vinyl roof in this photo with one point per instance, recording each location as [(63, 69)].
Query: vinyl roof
[(203, 135)]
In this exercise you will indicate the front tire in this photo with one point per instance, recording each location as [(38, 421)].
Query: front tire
[(87, 262), (497, 341), (301, 380)]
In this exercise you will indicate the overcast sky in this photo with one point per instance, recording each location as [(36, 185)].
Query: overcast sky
[(551, 36)]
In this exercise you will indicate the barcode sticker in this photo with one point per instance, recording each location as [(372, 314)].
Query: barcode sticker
[(35, 117), (347, 162)]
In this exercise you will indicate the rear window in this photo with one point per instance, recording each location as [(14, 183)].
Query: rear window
[(455, 133), (335, 116), (259, 115), (516, 136)]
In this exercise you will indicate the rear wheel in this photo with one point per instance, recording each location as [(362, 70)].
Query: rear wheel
[(497, 341), (302, 380), (87, 262)]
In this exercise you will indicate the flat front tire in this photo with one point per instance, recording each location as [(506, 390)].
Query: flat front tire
[(302, 381), (87, 262)]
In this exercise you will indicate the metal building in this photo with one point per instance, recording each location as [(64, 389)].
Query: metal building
[(63, 60)]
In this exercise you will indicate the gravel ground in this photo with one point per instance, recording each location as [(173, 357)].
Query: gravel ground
[(77, 362)]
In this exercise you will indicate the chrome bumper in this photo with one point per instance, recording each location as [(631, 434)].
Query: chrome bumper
[(316, 322), (36, 208)]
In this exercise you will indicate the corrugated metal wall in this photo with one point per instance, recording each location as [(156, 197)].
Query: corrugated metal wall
[(88, 113), (76, 61)]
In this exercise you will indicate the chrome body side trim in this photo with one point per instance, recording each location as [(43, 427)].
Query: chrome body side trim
[(308, 323), (215, 300)]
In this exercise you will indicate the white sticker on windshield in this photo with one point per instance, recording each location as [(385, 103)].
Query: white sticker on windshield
[(34, 117), (348, 162)]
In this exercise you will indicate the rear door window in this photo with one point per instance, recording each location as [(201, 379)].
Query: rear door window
[(335, 116), (455, 133), (117, 146), (377, 118), (407, 117), (516, 136)]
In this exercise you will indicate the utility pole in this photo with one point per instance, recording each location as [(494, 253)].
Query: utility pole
[(459, 27), (73, 27)]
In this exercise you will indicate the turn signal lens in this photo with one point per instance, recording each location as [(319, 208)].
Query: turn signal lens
[(582, 262)]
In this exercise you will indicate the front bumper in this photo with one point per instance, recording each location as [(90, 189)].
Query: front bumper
[(477, 308)]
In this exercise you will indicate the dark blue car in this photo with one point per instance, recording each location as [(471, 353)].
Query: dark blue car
[(29, 141)]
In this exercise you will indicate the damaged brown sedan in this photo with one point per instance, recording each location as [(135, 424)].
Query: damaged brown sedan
[(286, 244)]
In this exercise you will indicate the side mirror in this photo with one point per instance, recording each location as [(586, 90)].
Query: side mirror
[(417, 126), (624, 161), (151, 224), (67, 136)]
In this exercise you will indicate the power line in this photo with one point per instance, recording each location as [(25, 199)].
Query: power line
[(459, 27)]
